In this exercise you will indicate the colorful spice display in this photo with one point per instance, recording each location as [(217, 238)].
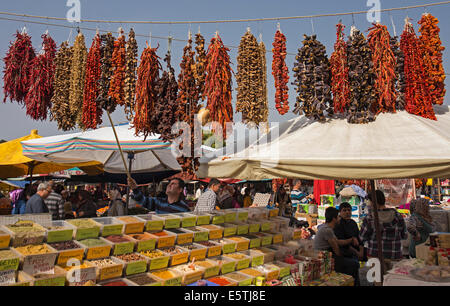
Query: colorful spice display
[(130, 257), (117, 239), (118, 283), (153, 254), (34, 249), (101, 263), (66, 245), (219, 280), (142, 279)]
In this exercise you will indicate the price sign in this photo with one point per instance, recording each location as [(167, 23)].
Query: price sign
[(166, 242), (278, 238), (9, 264), (230, 217), (185, 238), (58, 236), (41, 263), (242, 246), (246, 283), (180, 259), (243, 216), (266, 226), (173, 281), (172, 223), (242, 229), (146, 245), (243, 264), (273, 275), (210, 272), (229, 231), (218, 219), (257, 261), (203, 220), (188, 222), (254, 228), (111, 272), (192, 277), (86, 233), (64, 256), (159, 263), (58, 281), (136, 267), (98, 252), (156, 225), (266, 240), (201, 236), (134, 228), (123, 248), (255, 243), (4, 241), (109, 230), (229, 248), (215, 234), (285, 271), (214, 251), (198, 254), (7, 277), (273, 212), (228, 267)]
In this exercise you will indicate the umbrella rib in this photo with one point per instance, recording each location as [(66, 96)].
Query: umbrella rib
[(157, 157)]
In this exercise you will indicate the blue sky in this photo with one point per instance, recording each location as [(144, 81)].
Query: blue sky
[(14, 123)]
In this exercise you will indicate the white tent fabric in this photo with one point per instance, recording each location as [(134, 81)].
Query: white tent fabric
[(397, 145), (151, 155)]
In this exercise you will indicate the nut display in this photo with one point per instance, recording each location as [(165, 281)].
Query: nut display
[(153, 254), (102, 262), (130, 257), (174, 251), (7, 254), (207, 243)]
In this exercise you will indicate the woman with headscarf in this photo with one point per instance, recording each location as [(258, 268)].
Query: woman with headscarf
[(86, 207), (226, 197), (420, 224), (116, 206)]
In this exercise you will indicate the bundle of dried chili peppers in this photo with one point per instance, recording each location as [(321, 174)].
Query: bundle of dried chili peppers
[(188, 96), (106, 50), (40, 91), (18, 63), (218, 87), (361, 79), (418, 98), (200, 64), (77, 78), (432, 56), (166, 106), (146, 94), (400, 84), (384, 66), (339, 71), (60, 111), (92, 111), (313, 80), (130, 74), (280, 73), (116, 87)]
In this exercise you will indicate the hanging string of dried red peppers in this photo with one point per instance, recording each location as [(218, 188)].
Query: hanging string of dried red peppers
[(418, 98), (116, 87), (339, 71), (280, 73)]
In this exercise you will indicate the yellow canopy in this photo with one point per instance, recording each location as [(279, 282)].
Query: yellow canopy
[(14, 164)]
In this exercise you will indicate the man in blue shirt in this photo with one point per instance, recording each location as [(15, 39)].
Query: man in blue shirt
[(170, 204), (36, 204), (297, 196)]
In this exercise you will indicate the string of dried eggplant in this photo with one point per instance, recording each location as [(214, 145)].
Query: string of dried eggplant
[(130, 74), (77, 78), (400, 84), (106, 50), (313, 80)]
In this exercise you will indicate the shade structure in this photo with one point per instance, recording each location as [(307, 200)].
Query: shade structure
[(150, 155), (13, 163), (397, 145)]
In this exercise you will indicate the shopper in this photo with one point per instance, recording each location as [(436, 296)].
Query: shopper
[(207, 202), (297, 196), (199, 191), (393, 231), (326, 240), (171, 202), (19, 200), (55, 202), (226, 199), (346, 229), (420, 224), (247, 198), (283, 201), (116, 205), (86, 206), (36, 204)]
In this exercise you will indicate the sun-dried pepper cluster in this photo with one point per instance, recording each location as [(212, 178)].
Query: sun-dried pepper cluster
[(77, 78), (130, 74), (249, 79), (200, 64), (116, 87), (280, 73), (166, 106), (432, 56), (400, 84), (188, 96), (92, 111), (218, 87), (18, 63), (361, 79), (146, 93), (339, 72), (263, 103), (40, 91), (384, 66), (60, 111), (106, 50), (313, 80), (417, 96)]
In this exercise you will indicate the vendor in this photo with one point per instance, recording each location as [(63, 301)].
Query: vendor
[(420, 225), (346, 229), (170, 204)]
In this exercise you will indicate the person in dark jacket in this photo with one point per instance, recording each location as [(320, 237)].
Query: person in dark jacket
[(36, 204), (86, 207), (226, 198), (346, 229)]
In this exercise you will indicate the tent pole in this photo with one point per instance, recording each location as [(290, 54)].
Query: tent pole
[(118, 144), (377, 227), (30, 169), (130, 164)]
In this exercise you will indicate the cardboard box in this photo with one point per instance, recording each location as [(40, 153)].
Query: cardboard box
[(310, 218), (321, 211), (328, 199), (354, 200)]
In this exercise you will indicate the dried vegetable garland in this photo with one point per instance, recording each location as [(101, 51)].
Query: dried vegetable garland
[(249, 79), (18, 63), (432, 57), (384, 66), (263, 109), (313, 80), (280, 73), (417, 96), (77, 78), (116, 87), (40, 92), (400, 83), (60, 111), (200, 64), (339, 71), (148, 74), (218, 87), (166, 106), (188, 96), (106, 50), (361, 79), (92, 111), (130, 74)]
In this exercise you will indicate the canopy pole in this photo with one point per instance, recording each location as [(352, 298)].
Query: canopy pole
[(118, 144), (377, 227), (130, 164), (30, 169)]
